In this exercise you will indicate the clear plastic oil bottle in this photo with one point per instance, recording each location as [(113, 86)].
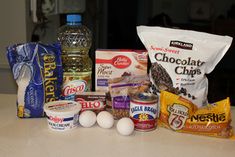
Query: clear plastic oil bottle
[(76, 41)]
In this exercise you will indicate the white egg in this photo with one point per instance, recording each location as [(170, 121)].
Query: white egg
[(105, 120), (87, 119), (125, 126)]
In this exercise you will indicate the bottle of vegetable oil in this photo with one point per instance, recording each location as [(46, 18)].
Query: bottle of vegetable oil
[(76, 41)]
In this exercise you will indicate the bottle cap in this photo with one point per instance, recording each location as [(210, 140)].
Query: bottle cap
[(74, 18)]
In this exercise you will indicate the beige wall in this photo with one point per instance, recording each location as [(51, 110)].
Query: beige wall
[(12, 30), (16, 27), (13, 25)]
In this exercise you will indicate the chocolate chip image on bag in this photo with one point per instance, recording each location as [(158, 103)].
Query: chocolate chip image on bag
[(181, 58), (161, 78)]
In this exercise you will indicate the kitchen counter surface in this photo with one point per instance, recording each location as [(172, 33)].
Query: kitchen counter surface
[(32, 138)]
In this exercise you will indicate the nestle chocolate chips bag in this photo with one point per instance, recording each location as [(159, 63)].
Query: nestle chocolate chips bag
[(37, 69), (181, 58)]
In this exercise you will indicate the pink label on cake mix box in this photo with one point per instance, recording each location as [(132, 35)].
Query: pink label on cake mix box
[(117, 63)]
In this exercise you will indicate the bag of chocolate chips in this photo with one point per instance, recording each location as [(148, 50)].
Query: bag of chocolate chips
[(181, 58)]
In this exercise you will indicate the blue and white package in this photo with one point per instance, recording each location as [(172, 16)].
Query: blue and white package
[(37, 69)]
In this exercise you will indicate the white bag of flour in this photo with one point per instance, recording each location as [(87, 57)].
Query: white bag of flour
[(181, 58)]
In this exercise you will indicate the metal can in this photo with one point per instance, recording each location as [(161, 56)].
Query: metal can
[(144, 111)]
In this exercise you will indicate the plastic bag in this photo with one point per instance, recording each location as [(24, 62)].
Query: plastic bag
[(181, 58), (122, 88), (37, 69), (181, 115)]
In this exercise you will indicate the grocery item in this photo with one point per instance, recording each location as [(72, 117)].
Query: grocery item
[(22, 83), (62, 115), (37, 69), (105, 120), (181, 58), (115, 63), (181, 115), (121, 89), (95, 101), (125, 126), (144, 111), (87, 119), (76, 40)]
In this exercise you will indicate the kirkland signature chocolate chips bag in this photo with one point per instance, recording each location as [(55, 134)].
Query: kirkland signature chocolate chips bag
[(181, 58)]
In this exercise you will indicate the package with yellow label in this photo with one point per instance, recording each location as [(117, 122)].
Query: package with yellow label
[(181, 115)]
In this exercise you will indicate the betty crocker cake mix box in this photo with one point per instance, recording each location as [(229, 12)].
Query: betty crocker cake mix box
[(116, 63)]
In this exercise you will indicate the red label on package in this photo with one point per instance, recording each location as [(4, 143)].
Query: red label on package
[(91, 100)]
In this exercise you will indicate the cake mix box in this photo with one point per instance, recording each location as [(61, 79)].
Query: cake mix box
[(116, 63)]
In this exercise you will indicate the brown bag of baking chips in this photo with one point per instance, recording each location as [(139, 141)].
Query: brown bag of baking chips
[(180, 115)]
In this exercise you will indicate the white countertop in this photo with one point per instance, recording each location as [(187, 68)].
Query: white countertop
[(32, 138)]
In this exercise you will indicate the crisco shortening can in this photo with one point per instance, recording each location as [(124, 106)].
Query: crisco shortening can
[(144, 110)]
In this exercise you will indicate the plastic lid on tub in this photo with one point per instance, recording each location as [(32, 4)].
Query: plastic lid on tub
[(74, 18), (62, 107)]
